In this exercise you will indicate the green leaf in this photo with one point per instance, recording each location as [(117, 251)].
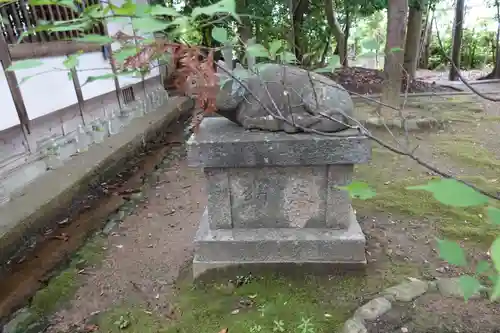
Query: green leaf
[(369, 54), (99, 77), (334, 61), (220, 34), (70, 75), (125, 52), (493, 215), (223, 6), (24, 64), (469, 285), (257, 50), (359, 190), (274, 47), (395, 49), (482, 267), (453, 193), (128, 8), (495, 293), (159, 10), (288, 57), (143, 10), (495, 253), (370, 44), (71, 61), (149, 24), (451, 252), (96, 39)]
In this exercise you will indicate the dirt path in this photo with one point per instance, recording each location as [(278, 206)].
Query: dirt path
[(146, 252)]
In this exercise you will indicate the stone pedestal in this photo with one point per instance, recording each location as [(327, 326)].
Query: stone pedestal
[(272, 197)]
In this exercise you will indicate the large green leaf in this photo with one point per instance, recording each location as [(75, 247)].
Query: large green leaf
[(493, 215), (223, 6), (162, 10), (220, 34), (71, 61), (24, 64), (149, 24), (64, 3), (370, 44), (482, 267), (257, 50), (275, 46), (359, 190), (469, 285), (125, 52), (96, 39), (288, 57), (495, 253), (453, 193), (495, 293), (451, 252)]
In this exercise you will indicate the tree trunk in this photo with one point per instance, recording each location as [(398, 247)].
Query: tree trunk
[(298, 9), (245, 28), (347, 31), (322, 62), (413, 34), (457, 39), (336, 31), (423, 57), (495, 74), (394, 55)]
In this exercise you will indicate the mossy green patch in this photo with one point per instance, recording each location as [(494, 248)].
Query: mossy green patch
[(464, 150), (131, 319), (63, 286), (270, 303), (390, 183)]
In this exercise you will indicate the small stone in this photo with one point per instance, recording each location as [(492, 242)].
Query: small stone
[(450, 287), (406, 292), (354, 325), (150, 215), (404, 330), (373, 309)]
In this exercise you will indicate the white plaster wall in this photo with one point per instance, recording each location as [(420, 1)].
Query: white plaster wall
[(94, 64), (49, 88), (8, 113)]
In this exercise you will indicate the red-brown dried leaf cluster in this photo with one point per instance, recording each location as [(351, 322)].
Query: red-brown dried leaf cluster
[(193, 71)]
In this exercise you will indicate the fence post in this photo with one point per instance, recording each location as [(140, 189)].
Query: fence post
[(17, 97)]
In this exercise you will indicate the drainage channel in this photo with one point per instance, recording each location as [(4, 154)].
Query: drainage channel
[(30, 272)]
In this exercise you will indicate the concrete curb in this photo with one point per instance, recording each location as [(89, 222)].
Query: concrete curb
[(404, 292), (28, 215)]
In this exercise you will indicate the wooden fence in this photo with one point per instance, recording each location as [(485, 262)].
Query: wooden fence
[(18, 17)]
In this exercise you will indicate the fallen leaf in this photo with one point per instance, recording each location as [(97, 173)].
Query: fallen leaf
[(91, 328), (224, 330)]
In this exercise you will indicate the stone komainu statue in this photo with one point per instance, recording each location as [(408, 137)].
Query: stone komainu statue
[(308, 100)]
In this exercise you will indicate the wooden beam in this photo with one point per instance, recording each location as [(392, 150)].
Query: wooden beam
[(50, 49), (17, 97)]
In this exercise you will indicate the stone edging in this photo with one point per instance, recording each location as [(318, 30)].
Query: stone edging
[(403, 292), (412, 124)]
